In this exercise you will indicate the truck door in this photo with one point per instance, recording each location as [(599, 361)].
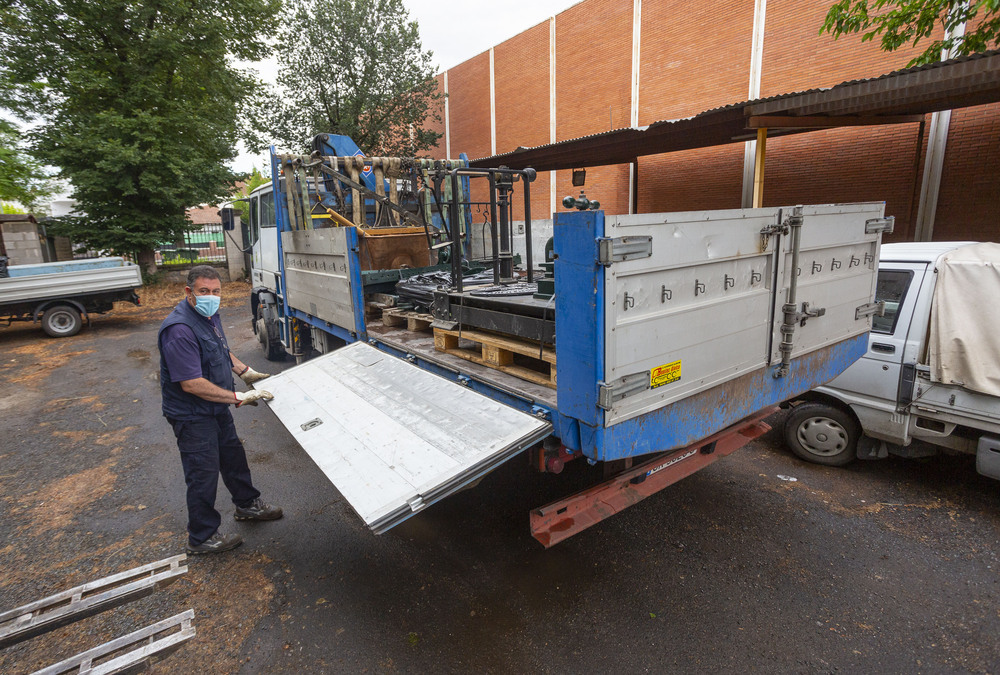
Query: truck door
[(876, 376), (394, 438), (264, 235)]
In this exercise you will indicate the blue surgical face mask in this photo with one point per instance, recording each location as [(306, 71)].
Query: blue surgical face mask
[(206, 305)]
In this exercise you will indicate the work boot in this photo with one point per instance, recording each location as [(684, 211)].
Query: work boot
[(217, 543), (258, 509)]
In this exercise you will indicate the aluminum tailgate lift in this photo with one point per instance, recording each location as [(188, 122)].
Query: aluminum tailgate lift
[(394, 438)]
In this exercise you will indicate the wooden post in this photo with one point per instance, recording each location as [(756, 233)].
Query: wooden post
[(758, 168)]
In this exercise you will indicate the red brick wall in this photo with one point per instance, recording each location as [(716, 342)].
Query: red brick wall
[(691, 180), (521, 67), (797, 57), (685, 68), (846, 165), (683, 72), (969, 200), (694, 57), (469, 105), (437, 152), (469, 109), (594, 89)]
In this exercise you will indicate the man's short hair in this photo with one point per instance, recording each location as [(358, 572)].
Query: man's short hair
[(202, 272)]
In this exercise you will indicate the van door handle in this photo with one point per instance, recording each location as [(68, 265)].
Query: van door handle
[(883, 347)]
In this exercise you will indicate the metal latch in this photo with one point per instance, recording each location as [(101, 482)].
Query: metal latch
[(621, 249), (880, 225), (768, 230), (607, 394), (807, 313), (870, 309)]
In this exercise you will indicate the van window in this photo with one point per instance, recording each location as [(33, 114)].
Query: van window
[(254, 220), (891, 287), (267, 218)]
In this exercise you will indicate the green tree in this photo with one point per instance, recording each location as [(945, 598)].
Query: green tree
[(137, 105), (22, 179), (253, 181), (901, 22), (352, 67)]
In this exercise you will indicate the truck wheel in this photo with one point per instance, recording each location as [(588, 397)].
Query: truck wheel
[(61, 321), (822, 434), (267, 335)]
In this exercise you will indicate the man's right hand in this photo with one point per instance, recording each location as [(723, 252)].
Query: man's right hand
[(251, 397)]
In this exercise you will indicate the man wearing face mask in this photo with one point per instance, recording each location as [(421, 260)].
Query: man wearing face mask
[(196, 379)]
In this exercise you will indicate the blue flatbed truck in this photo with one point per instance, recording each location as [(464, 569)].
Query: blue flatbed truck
[(652, 343)]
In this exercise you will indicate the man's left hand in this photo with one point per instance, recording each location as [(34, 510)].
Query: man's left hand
[(249, 376)]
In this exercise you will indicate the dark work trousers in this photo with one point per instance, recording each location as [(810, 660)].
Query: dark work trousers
[(209, 446)]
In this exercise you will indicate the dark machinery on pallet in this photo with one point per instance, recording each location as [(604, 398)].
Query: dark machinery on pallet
[(511, 303)]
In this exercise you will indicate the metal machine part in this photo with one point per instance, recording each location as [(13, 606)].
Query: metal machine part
[(521, 316)]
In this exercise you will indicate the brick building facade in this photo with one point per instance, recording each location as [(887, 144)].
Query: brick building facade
[(607, 64)]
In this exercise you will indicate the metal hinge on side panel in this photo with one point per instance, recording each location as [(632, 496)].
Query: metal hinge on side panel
[(874, 225), (870, 309), (621, 249), (607, 394)]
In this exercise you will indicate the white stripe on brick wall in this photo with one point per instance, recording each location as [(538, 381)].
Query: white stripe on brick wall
[(937, 142), (552, 108), (447, 120), (493, 106), (756, 59), (636, 60)]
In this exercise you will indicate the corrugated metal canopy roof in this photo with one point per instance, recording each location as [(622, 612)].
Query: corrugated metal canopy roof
[(891, 98)]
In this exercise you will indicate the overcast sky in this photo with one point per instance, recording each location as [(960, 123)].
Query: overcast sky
[(455, 32)]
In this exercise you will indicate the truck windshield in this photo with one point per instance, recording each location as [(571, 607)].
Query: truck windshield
[(891, 288)]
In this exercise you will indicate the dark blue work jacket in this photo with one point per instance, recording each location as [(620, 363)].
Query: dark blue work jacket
[(216, 366)]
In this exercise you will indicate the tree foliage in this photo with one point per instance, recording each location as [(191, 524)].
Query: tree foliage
[(901, 22), (252, 181), (22, 178), (352, 67), (136, 104)]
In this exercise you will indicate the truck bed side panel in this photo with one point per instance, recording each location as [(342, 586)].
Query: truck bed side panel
[(65, 284), (318, 270)]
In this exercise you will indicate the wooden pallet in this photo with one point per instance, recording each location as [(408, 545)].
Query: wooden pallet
[(520, 358), (414, 321), (376, 303)]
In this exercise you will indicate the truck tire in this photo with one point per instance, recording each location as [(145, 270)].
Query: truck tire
[(267, 335), (822, 434), (61, 321)]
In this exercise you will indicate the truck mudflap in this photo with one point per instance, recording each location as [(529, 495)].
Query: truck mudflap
[(391, 437)]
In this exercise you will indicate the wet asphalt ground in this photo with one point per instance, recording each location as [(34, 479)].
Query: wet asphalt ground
[(887, 567)]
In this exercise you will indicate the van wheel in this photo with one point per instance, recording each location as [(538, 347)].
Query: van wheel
[(267, 335), (822, 434), (61, 321)]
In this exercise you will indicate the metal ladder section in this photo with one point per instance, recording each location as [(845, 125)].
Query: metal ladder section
[(74, 604)]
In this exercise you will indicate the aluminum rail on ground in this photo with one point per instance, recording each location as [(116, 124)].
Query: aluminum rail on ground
[(42, 616)]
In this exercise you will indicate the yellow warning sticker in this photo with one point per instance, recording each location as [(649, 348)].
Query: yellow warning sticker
[(665, 374)]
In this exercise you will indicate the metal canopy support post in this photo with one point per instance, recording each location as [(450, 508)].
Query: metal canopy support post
[(527, 228), (758, 168)]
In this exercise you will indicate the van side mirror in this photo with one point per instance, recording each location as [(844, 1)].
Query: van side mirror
[(228, 219)]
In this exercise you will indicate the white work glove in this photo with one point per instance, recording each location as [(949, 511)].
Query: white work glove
[(249, 376), (251, 397)]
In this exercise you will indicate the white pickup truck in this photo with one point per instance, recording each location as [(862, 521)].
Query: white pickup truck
[(62, 295), (932, 370)]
